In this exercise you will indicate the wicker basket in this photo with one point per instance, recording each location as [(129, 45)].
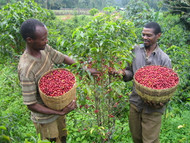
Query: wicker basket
[(155, 95), (58, 102)]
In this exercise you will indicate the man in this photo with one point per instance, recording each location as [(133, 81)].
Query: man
[(38, 58), (145, 118)]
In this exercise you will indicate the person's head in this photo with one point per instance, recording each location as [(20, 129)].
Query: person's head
[(151, 33), (34, 33)]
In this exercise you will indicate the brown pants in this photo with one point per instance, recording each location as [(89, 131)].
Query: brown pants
[(55, 129), (145, 128)]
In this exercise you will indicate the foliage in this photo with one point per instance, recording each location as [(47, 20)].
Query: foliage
[(58, 4), (12, 109), (140, 13), (11, 18), (93, 11), (173, 128), (3, 137), (181, 7), (104, 43)]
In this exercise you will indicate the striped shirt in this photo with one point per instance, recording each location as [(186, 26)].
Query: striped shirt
[(30, 69), (157, 57)]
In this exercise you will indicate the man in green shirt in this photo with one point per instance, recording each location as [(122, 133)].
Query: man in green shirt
[(145, 118), (37, 59)]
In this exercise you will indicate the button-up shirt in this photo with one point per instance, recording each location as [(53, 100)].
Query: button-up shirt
[(157, 57)]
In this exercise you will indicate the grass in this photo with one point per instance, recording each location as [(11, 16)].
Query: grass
[(64, 17)]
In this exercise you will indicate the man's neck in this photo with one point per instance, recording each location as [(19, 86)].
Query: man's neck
[(34, 53), (149, 50)]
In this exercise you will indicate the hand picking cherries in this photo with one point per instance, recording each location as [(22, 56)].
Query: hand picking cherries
[(156, 77), (57, 82)]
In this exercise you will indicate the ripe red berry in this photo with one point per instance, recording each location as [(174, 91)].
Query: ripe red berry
[(96, 111)]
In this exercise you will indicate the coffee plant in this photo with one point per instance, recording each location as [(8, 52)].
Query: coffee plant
[(104, 44)]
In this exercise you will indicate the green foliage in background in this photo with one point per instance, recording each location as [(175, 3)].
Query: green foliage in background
[(104, 43), (181, 7), (11, 18), (93, 11)]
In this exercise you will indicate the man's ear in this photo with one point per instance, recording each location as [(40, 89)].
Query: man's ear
[(158, 35), (29, 40)]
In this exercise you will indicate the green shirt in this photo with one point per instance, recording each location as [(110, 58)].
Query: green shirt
[(157, 57), (30, 69)]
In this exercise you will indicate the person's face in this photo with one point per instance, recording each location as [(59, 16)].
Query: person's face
[(41, 39), (149, 37)]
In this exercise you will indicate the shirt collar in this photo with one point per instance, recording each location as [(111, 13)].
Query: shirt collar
[(155, 50)]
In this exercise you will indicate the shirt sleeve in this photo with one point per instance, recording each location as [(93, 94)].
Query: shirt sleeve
[(167, 63), (29, 90), (56, 56)]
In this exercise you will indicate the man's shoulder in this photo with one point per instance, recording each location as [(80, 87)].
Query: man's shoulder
[(138, 48), (162, 53), (48, 48), (24, 64), (24, 60)]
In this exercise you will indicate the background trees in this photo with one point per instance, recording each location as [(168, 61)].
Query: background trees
[(181, 7), (99, 4)]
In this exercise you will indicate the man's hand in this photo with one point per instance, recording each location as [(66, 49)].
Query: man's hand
[(69, 108), (114, 72), (93, 71), (155, 105)]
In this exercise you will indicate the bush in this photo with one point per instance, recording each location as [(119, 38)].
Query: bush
[(11, 18), (93, 11)]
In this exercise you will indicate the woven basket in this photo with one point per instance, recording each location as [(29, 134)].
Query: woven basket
[(58, 102), (155, 95)]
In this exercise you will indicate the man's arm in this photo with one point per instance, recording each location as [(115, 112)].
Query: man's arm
[(127, 73), (68, 60), (45, 110)]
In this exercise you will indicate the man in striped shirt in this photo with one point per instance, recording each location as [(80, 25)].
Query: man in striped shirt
[(37, 59)]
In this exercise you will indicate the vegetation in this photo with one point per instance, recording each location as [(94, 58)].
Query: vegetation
[(86, 4), (102, 41), (181, 7)]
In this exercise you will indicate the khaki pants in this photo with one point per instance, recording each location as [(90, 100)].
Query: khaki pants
[(55, 129), (145, 128)]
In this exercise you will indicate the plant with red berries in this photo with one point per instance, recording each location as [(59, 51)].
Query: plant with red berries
[(103, 44)]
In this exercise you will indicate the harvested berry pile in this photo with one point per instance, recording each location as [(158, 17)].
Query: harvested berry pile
[(156, 77), (57, 82)]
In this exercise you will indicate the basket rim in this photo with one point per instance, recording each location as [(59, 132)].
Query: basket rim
[(74, 85), (156, 90)]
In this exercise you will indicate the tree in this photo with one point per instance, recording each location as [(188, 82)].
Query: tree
[(181, 7)]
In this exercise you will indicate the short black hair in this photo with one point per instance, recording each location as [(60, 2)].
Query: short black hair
[(28, 28), (155, 26)]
